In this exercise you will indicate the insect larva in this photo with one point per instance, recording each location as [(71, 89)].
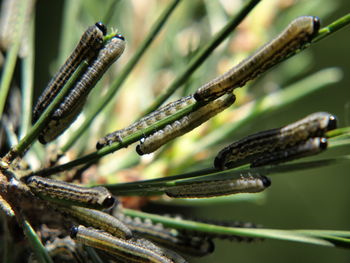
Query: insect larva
[(168, 237), (72, 104), (146, 121), (203, 189), (88, 46), (184, 125), (105, 58), (297, 34), (127, 250), (100, 220), (98, 197), (310, 147), (251, 147)]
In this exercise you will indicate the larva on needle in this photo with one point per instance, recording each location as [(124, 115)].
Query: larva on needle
[(125, 250), (267, 142), (95, 197), (184, 125), (99, 219), (160, 114), (297, 34), (88, 46), (310, 147), (204, 189), (73, 103)]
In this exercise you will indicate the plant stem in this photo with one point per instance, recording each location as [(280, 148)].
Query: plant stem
[(38, 248), (332, 27), (288, 235)]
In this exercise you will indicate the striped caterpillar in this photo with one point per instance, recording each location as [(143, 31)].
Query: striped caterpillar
[(203, 189), (160, 114), (73, 103), (184, 125), (95, 197), (310, 147), (100, 220), (135, 250), (297, 34), (88, 46), (278, 141)]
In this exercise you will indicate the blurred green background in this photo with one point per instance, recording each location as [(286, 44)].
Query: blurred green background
[(313, 199)]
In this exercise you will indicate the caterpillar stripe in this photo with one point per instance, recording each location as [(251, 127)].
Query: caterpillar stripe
[(184, 125), (98, 197), (310, 147), (73, 103), (168, 237), (253, 146), (125, 250), (100, 220), (297, 34), (203, 189), (88, 46), (160, 114)]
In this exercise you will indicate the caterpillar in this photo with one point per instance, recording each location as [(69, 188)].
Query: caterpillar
[(203, 189), (100, 220), (184, 125), (310, 147), (125, 250), (73, 103), (253, 146), (88, 46), (297, 34), (96, 197), (160, 114)]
